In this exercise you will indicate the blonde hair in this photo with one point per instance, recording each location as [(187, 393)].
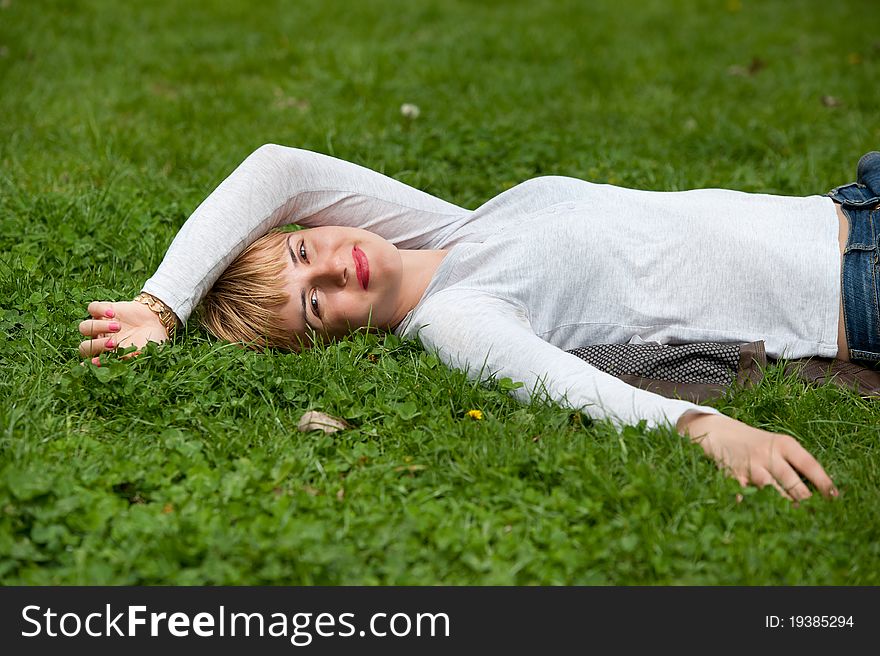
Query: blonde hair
[(243, 304)]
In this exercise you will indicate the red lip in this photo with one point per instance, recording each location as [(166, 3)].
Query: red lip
[(362, 266)]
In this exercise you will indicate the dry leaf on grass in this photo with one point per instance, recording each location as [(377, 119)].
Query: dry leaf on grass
[(831, 101), (410, 468), (314, 420), (755, 66)]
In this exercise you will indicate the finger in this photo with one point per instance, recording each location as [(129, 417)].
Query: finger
[(743, 480), (806, 464), (99, 309), (790, 481), (92, 347), (95, 327), (763, 478)]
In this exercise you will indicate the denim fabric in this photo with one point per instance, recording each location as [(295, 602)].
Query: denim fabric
[(860, 274)]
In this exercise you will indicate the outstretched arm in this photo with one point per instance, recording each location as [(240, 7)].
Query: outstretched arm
[(488, 336), (274, 186)]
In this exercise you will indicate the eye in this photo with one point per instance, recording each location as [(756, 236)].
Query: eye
[(302, 251), (314, 301)]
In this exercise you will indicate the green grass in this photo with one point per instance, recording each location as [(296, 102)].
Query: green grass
[(185, 466)]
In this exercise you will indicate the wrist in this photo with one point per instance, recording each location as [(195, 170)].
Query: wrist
[(694, 423), (163, 313)]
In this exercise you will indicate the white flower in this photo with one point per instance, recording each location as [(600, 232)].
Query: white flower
[(408, 110)]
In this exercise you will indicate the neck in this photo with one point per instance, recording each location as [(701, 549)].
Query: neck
[(419, 267)]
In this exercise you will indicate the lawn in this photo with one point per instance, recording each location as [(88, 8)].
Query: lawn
[(185, 466)]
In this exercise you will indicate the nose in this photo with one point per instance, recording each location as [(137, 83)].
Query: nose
[(330, 271)]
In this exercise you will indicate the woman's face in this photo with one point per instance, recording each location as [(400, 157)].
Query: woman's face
[(339, 279)]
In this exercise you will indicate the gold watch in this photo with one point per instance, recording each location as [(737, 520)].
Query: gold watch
[(166, 316)]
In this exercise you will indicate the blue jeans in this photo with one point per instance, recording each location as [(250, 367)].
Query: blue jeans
[(860, 274)]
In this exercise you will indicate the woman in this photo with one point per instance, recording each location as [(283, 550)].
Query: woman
[(551, 264)]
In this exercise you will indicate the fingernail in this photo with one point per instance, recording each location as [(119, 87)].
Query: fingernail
[(109, 313), (110, 343), (114, 325), (96, 362), (834, 492)]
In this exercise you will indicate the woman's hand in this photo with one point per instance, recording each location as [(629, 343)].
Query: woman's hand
[(119, 324), (759, 457)]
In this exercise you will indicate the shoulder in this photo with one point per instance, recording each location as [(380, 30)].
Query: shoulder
[(462, 302), (458, 312)]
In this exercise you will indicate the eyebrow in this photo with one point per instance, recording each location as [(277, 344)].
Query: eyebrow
[(302, 292)]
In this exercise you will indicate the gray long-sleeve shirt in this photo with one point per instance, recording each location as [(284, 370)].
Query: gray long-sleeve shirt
[(551, 264)]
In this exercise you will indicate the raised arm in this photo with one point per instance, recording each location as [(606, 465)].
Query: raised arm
[(277, 185), (274, 186), (487, 336)]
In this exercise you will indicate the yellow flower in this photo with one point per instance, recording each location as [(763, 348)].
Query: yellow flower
[(475, 414)]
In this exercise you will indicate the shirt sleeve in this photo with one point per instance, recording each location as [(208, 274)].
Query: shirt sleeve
[(277, 185), (489, 337)]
